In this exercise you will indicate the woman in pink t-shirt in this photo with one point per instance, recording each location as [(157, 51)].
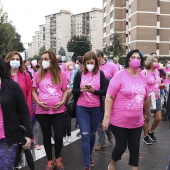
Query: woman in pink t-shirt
[(69, 71), (88, 89), (153, 80), (126, 96), (167, 71), (52, 86)]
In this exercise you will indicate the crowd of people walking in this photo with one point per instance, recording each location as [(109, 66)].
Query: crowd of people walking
[(109, 101)]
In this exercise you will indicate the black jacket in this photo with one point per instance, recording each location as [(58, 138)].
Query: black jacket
[(102, 92), (15, 110)]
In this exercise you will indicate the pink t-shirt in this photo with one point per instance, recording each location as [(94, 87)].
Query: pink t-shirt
[(32, 72), (167, 70), (109, 69), (88, 99), (15, 78), (50, 93), (153, 81), (68, 74), (117, 65), (63, 67), (2, 132), (129, 93)]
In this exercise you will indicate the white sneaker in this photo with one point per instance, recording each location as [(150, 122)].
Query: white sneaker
[(52, 141), (65, 139), (69, 139)]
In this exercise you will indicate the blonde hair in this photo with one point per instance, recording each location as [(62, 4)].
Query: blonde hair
[(68, 64), (149, 61)]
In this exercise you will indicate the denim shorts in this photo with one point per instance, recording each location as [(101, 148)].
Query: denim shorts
[(158, 105)]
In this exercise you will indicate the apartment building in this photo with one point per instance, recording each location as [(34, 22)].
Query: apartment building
[(88, 24), (41, 35), (57, 30), (141, 24), (32, 48), (59, 27)]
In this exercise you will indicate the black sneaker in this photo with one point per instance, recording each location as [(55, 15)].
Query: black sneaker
[(152, 136), (147, 140)]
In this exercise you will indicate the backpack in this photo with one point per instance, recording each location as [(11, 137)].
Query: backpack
[(70, 103)]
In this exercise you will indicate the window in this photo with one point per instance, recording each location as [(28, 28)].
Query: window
[(104, 10), (157, 31), (111, 14), (104, 20), (158, 3), (111, 3), (111, 26), (157, 46), (104, 30)]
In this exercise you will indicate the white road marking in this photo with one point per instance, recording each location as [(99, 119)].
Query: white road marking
[(38, 154)]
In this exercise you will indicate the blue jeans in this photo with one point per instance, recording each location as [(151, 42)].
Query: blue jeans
[(88, 120)]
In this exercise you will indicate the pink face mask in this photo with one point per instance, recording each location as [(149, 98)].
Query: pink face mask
[(135, 63), (155, 65)]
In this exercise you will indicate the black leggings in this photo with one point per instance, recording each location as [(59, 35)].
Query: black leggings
[(124, 137), (67, 125), (57, 122)]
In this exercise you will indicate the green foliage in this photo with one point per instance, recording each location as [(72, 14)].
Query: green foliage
[(36, 57), (79, 45), (10, 40), (62, 52), (116, 49), (29, 59), (41, 50)]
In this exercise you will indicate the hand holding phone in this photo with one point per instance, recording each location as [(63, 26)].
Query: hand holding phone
[(88, 86)]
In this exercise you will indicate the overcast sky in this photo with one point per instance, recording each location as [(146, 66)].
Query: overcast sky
[(27, 15)]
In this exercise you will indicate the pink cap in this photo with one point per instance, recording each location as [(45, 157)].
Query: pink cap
[(34, 62)]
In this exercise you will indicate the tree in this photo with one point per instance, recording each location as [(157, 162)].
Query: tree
[(36, 57), (17, 44), (62, 52), (79, 45), (10, 40), (116, 49), (41, 50)]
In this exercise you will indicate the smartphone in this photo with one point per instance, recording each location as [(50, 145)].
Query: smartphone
[(88, 86)]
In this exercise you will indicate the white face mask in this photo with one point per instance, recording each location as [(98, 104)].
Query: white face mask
[(90, 67), (168, 65), (45, 64), (70, 67), (29, 66), (14, 64), (77, 66)]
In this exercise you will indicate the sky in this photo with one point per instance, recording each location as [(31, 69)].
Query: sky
[(27, 15)]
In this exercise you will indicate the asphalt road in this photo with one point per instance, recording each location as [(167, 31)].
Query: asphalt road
[(152, 157)]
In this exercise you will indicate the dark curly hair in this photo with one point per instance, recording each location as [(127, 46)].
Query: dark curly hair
[(129, 54)]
